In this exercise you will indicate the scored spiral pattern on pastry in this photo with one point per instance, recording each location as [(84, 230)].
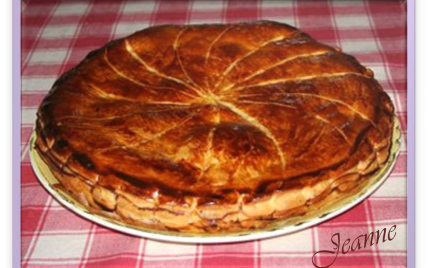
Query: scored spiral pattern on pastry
[(195, 119)]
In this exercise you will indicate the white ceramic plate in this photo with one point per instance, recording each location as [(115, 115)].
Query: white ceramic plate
[(314, 217)]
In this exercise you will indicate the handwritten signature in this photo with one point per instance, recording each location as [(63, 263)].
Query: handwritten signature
[(357, 244)]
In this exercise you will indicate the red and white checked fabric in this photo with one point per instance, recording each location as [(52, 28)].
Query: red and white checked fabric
[(56, 35)]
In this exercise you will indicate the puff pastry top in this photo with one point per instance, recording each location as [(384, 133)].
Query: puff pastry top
[(214, 112)]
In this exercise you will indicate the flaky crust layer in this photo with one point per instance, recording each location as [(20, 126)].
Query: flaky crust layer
[(213, 128)]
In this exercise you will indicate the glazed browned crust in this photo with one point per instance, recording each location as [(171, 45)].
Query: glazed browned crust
[(213, 127)]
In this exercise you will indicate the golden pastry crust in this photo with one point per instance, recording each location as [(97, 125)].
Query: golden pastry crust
[(213, 128)]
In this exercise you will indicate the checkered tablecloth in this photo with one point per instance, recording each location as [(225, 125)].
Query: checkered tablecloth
[(56, 35)]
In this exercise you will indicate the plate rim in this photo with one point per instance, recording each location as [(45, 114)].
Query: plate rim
[(230, 238)]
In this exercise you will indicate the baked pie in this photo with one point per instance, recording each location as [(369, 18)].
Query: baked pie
[(213, 128)]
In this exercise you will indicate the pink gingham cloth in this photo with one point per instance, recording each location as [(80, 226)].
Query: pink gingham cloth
[(56, 35)]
